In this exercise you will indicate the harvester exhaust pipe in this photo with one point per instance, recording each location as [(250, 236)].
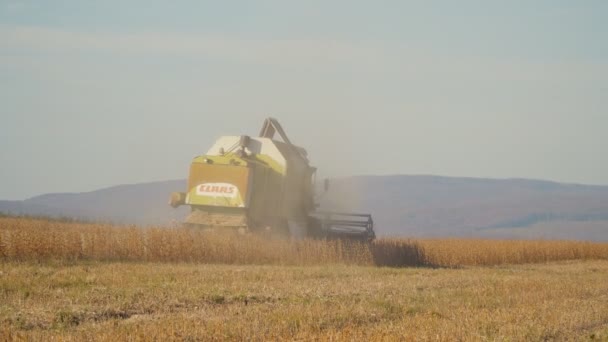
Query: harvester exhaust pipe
[(271, 125), (244, 141)]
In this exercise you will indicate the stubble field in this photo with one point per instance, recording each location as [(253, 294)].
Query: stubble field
[(75, 281)]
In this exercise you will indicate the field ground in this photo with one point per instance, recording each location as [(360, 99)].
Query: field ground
[(62, 280), (84, 300)]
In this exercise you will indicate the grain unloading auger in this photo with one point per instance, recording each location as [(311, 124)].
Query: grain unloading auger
[(260, 184)]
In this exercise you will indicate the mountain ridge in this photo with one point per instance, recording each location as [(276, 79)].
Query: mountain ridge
[(402, 205)]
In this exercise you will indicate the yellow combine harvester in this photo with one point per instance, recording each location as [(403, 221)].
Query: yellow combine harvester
[(260, 184)]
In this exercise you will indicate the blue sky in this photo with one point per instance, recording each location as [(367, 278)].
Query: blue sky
[(96, 94)]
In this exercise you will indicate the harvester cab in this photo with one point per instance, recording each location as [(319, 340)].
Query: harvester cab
[(260, 184)]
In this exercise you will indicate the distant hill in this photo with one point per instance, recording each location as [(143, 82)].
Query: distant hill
[(143, 204), (435, 206), (402, 205)]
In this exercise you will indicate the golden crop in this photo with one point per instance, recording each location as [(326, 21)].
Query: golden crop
[(23, 239)]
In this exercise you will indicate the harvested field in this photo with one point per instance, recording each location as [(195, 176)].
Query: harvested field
[(168, 301)]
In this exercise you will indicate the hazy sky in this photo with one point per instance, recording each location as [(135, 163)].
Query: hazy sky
[(99, 93)]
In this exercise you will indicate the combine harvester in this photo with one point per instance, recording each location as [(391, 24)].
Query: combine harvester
[(261, 185)]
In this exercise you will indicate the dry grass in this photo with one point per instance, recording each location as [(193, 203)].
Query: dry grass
[(26, 239), (87, 301)]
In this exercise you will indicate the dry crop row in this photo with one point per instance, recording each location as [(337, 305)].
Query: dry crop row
[(27, 239), (23, 239), (478, 252)]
